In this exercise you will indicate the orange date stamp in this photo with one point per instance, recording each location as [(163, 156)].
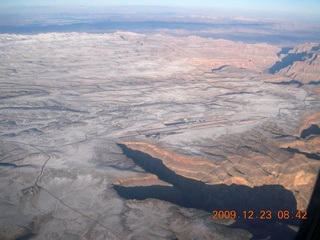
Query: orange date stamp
[(261, 215)]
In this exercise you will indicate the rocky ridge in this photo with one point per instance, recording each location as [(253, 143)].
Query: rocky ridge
[(207, 112), (301, 63), (250, 161)]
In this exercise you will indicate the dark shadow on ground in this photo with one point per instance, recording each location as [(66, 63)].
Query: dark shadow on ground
[(287, 61), (191, 193), (312, 130), (313, 156)]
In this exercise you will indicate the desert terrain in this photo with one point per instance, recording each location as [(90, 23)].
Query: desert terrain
[(141, 136)]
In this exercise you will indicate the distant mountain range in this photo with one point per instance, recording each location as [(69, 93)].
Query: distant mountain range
[(249, 28)]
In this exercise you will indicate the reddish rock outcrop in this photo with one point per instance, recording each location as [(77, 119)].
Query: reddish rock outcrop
[(250, 164), (307, 69)]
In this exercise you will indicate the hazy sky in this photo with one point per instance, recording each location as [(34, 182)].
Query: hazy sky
[(292, 6)]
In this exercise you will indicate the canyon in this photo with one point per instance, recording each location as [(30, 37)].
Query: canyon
[(141, 136)]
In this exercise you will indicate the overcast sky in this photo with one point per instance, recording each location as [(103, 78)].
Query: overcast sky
[(292, 6)]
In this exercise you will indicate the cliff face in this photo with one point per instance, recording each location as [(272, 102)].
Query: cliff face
[(192, 193), (200, 123), (251, 161), (301, 63), (211, 53)]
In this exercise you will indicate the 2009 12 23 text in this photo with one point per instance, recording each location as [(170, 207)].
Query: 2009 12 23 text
[(262, 214)]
